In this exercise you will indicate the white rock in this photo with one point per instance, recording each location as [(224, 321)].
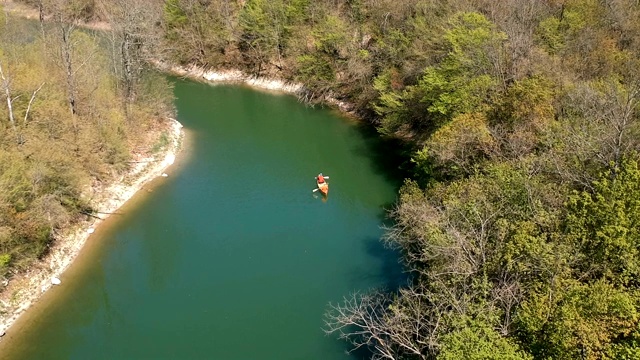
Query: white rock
[(55, 281), (164, 175), (91, 230)]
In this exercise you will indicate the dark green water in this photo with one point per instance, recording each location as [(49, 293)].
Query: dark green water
[(232, 256)]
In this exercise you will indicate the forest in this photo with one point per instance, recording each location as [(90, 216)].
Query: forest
[(520, 221)]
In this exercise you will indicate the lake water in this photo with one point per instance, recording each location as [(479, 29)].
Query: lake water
[(232, 256)]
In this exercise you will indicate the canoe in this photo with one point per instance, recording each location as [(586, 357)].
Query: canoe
[(323, 187)]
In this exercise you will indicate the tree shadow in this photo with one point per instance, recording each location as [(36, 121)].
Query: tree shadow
[(384, 273), (390, 272), (391, 158)]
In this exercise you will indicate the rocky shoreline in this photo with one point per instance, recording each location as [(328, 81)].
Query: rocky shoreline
[(233, 76)]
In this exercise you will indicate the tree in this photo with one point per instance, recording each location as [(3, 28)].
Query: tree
[(577, 321), (470, 69), (132, 25), (605, 225), (201, 33), (600, 126), (265, 29), (460, 146), (523, 116), (477, 340), (615, 105), (389, 328)]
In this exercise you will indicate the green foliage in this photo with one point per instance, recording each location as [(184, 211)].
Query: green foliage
[(297, 11), (392, 47), (461, 83), (463, 80), (605, 225), (265, 28), (523, 116), (529, 101), (470, 39), (254, 18), (14, 181), (626, 349), (550, 35), (477, 340), (329, 35), (5, 260), (174, 17), (448, 96), (390, 103), (461, 145), (199, 32), (315, 71), (572, 320), (554, 33)]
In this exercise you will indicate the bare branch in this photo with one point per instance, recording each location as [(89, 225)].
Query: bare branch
[(33, 97)]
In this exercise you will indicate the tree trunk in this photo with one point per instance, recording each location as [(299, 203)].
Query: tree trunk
[(7, 93), (66, 31)]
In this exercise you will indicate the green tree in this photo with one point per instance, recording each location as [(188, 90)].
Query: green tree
[(477, 340), (523, 116), (461, 83), (265, 30), (605, 225), (570, 320), (174, 17), (460, 146), (462, 80)]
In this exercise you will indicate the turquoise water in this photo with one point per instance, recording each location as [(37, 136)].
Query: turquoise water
[(232, 256)]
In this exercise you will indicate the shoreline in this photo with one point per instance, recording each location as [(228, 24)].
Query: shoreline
[(19, 294), (235, 76)]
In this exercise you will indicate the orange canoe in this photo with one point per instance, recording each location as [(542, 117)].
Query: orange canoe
[(323, 187)]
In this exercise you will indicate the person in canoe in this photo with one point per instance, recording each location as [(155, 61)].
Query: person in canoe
[(323, 186)]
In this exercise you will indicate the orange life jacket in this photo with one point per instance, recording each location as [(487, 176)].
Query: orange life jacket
[(320, 179)]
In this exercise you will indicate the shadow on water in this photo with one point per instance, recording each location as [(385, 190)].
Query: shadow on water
[(390, 272), (391, 157), (393, 274)]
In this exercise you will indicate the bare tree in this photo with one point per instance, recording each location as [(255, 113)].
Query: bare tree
[(132, 33), (66, 29), (601, 125), (388, 329), (6, 86), (519, 20)]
